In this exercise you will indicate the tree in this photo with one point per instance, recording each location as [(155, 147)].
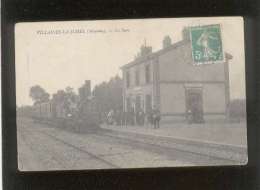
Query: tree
[(69, 89), (65, 96), (109, 95), (59, 97), (71, 96), (66, 99), (38, 94)]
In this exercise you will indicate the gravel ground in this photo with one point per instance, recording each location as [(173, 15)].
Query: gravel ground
[(41, 147)]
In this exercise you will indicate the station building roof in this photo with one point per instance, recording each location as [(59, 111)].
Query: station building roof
[(156, 54)]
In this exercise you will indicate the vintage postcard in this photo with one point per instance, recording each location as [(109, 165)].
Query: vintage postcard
[(132, 93)]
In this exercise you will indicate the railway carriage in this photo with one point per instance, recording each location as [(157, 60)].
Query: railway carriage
[(79, 118), (42, 111)]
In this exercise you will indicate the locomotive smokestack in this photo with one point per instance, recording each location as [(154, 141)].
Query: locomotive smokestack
[(85, 90), (87, 87)]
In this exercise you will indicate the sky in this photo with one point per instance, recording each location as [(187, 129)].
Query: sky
[(55, 55)]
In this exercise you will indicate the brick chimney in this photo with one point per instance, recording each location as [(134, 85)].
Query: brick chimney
[(167, 41), (87, 87), (186, 33)]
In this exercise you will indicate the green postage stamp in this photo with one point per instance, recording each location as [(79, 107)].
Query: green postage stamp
[(206, 43)]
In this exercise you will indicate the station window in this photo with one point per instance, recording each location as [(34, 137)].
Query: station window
[(127, 79), (137, 77), (148, 103), (147, 74), (128, 104)]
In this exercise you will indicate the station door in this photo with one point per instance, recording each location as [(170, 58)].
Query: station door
[(194, 104)]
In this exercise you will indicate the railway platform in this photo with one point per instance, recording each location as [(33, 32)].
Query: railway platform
[(224, 141), (233, 134)]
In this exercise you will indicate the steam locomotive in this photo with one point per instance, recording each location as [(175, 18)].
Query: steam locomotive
[(79, 117)]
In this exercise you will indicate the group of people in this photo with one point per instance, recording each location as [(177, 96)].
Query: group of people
[(134, 118)]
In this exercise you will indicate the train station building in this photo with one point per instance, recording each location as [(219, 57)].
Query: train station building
[(170, 81)]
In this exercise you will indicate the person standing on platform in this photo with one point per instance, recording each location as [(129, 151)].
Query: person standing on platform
[(141, 116), (156, 118), (149, 117)]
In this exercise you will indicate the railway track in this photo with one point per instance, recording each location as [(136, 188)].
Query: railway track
[(24, 133), (96, 157), (35, 154), (196, 153), (178, 150), (196, 158)]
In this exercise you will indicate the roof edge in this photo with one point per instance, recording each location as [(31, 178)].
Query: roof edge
[(154, 54)]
